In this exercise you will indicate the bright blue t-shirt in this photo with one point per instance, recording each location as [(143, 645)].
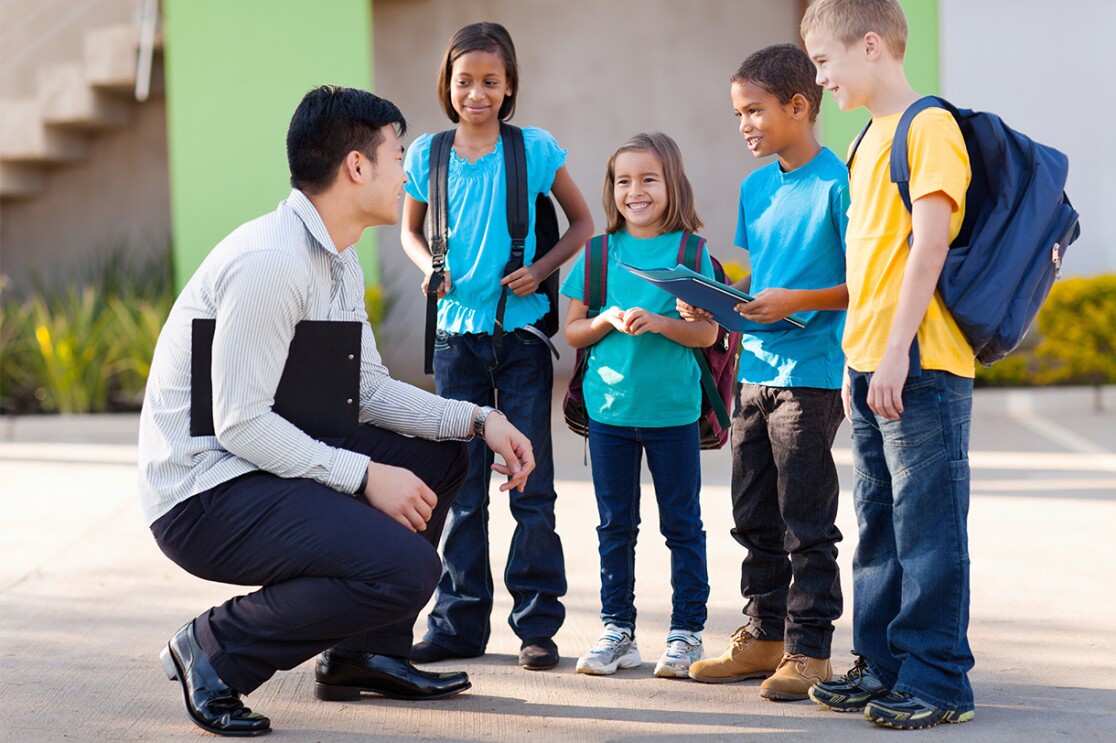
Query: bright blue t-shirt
[(793, 227), (648, 380), (478, 243)]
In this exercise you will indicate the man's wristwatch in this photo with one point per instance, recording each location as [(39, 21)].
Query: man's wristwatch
[(363, 483), (482, 417)]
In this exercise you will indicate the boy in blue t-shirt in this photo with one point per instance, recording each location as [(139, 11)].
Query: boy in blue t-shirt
[(784, 482)]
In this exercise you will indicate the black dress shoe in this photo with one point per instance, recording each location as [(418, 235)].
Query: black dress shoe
[(343, 675), (538, 654), (432, 652), (211, 704)]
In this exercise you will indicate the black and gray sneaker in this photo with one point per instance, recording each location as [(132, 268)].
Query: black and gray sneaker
[(849, 693), (902, 711)]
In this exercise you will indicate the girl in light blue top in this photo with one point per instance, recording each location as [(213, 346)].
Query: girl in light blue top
[(477, 86), (642, 392)]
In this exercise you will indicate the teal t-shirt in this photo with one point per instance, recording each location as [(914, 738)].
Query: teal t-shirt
[(478, 243), (648, 380), (793, 227)]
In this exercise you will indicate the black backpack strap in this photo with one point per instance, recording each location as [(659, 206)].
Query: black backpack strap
[(440, 148), (515, 173), (689, 255), (856, 144)]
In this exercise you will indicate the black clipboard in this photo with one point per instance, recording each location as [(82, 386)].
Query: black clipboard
[(319, 391)]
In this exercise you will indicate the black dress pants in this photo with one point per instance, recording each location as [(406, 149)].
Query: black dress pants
[(334, 571)]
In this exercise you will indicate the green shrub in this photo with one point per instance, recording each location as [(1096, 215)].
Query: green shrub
[(72, 340), (1073, 340)]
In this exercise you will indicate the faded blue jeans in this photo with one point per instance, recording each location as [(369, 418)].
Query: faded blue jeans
[(911, 568), (517, 377), (674, 459)]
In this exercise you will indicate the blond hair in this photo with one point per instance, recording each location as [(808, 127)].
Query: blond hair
[(850, 20), (681, 214)]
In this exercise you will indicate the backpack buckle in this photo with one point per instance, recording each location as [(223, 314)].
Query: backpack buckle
[(1056, 259)]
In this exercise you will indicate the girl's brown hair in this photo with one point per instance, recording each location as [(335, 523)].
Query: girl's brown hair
[(479, 37), (681, 214)]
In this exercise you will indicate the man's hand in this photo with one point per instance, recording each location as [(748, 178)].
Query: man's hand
[(770, 305), (445, 287), (513, 447), (885, 391), (400, 494)]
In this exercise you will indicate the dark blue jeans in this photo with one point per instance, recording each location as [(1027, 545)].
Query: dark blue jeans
[(517, 378), (673, 457), (784, 503), (911, 568)]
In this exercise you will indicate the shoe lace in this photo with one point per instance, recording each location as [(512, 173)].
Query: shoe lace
[(855, 674), (742, 638)]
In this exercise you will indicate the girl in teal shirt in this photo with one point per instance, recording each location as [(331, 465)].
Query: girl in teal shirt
[(642, 394)]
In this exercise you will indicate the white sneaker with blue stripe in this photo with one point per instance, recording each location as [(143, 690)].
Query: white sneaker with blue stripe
[(615, 648), (682, 649)]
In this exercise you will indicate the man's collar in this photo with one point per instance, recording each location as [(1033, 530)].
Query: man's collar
[(305, 210)]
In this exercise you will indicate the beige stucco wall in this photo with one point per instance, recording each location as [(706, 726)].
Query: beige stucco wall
[(592, 73), (118, 197)]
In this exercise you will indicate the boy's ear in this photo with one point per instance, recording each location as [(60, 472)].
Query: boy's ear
[(800, 107), (872, 45)]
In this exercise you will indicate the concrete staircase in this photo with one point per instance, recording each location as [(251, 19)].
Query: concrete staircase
[(72, 102)]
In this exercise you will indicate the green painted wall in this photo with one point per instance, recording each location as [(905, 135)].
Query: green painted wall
[(838, 129), (235, 71)]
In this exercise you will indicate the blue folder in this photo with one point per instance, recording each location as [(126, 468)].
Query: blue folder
[(711, 295)]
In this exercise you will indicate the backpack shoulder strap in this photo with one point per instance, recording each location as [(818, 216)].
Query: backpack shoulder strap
[(436, 212), (900, 159), (690, 251), (515, 171), (596, 273), (440, 148), (856, 144)]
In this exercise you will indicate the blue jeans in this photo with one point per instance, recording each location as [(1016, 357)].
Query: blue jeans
[(911, 568), (517, 378), (673, 456)]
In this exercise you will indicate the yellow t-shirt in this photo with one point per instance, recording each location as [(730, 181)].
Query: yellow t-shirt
[(877, 248)]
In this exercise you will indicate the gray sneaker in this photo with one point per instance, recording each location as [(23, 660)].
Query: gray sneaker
[(615, 648), (682, 649)]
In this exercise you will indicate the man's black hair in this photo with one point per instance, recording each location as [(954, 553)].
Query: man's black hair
[(329, 123), (783, 70)]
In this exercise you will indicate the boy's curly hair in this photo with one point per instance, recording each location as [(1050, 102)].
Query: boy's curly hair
[(784, 71)]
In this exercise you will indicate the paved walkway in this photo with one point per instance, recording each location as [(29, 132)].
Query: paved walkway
[(86, 601)]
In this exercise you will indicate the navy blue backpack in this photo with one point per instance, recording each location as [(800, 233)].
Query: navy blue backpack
[(1018, 224)]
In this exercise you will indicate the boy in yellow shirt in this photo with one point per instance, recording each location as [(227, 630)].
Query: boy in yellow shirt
[(908, 385)]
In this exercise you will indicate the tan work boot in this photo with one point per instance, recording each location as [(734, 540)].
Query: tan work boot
[(794, 677), (745, 658)]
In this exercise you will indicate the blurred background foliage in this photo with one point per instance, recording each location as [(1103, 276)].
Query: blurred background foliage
[(85, 345)]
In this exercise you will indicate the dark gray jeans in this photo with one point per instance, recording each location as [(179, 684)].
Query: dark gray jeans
[(784, 503)]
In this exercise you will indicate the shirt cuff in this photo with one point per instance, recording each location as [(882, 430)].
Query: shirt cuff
[(347, 471), (457, 420)]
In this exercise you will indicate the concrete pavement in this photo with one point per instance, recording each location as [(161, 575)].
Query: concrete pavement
[(87, 600)]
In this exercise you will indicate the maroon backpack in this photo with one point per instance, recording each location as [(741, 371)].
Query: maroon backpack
[(717, 362)]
